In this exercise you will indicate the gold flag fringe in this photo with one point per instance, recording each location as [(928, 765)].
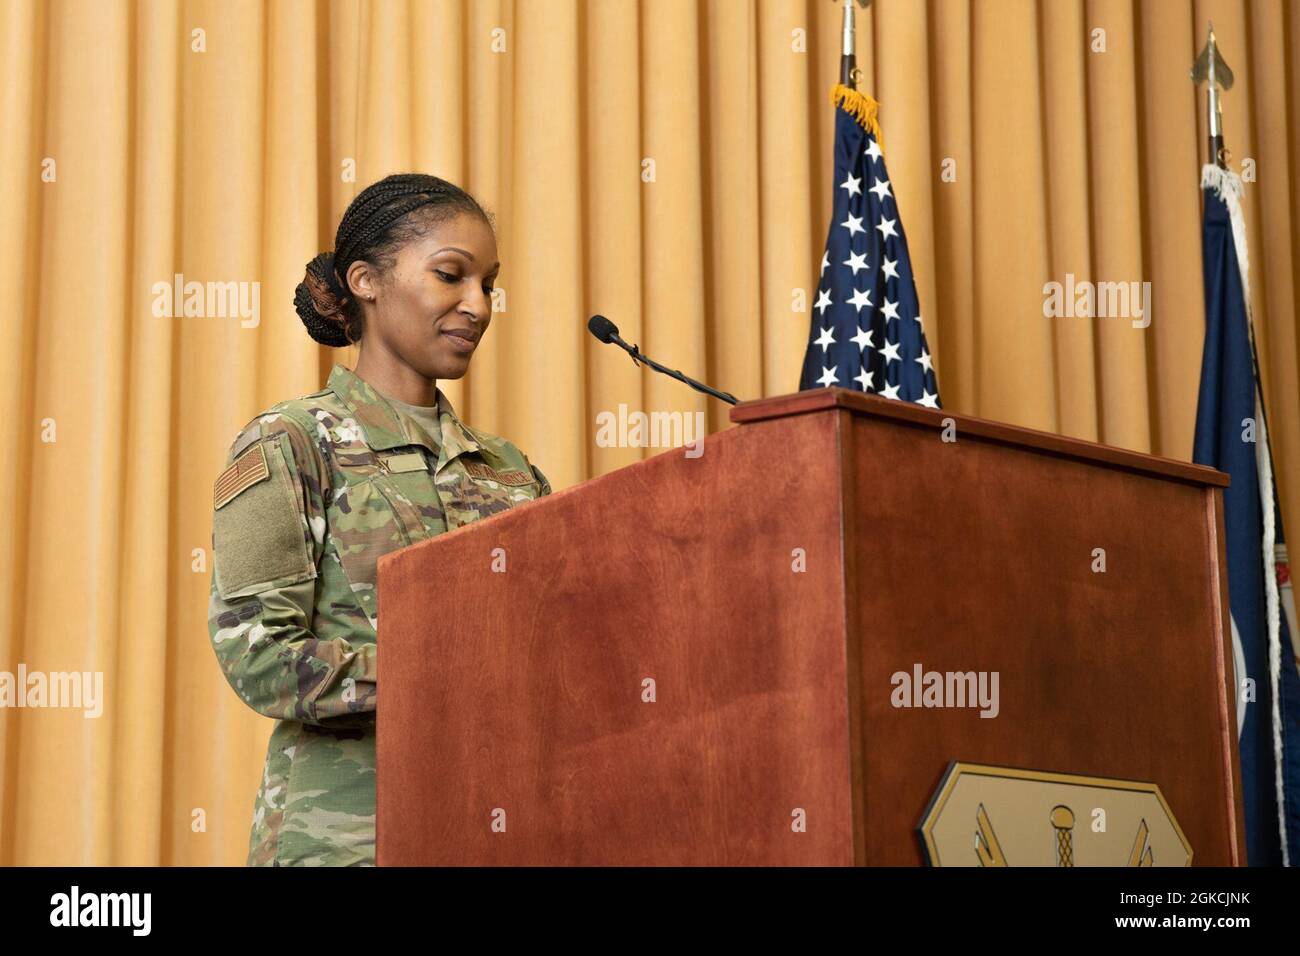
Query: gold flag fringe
[(861, 107)]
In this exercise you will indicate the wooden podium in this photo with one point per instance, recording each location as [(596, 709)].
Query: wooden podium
[(668, 664)]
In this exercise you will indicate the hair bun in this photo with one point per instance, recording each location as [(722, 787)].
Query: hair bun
[(319, 302)]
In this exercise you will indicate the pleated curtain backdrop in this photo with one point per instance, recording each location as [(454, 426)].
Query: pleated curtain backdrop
[(664, 162)]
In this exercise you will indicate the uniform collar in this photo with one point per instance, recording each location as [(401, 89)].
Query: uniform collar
[(385, 428)]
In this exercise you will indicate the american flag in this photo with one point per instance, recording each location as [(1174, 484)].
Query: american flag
[(866, 324), (1268, 725)]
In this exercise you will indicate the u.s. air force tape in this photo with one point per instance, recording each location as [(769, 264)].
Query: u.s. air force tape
[(477, 470)]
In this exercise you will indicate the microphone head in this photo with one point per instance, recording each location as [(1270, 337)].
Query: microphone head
[(602, 328)]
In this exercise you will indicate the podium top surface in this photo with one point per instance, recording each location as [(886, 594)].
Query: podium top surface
[(874, 406)]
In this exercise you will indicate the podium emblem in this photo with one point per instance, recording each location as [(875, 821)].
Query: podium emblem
[(1002, 816)]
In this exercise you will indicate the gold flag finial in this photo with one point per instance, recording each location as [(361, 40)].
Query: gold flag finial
[(1211, 70)]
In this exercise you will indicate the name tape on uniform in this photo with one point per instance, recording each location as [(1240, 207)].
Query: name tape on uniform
[(410, 461)]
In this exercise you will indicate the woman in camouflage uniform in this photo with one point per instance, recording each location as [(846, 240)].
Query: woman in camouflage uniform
[(317, 488)]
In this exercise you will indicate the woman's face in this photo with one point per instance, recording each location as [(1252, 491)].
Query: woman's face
[(433, 307)]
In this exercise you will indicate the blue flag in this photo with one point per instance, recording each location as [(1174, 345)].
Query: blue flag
[(1232, 435), (866, 324)]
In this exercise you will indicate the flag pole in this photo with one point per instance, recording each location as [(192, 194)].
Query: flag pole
[(845, 93), (849, 72), (1211, 70)]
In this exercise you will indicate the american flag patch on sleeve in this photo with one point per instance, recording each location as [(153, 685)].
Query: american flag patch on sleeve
[(248, 469)]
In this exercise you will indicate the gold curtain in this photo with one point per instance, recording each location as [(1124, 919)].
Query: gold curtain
[(664, 162)]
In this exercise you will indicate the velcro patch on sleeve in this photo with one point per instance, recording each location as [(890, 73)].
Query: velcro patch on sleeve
[(479, 470), (260, 538), (245, 471)]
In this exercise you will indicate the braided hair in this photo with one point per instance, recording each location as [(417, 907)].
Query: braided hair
[(380, 220)]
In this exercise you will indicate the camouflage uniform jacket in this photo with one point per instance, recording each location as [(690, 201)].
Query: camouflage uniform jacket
[(315, 490)]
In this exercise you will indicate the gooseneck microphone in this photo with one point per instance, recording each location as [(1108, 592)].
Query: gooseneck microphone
[(607, 332)]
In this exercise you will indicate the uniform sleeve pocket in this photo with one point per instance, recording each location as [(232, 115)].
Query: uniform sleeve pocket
[(260, 537)]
